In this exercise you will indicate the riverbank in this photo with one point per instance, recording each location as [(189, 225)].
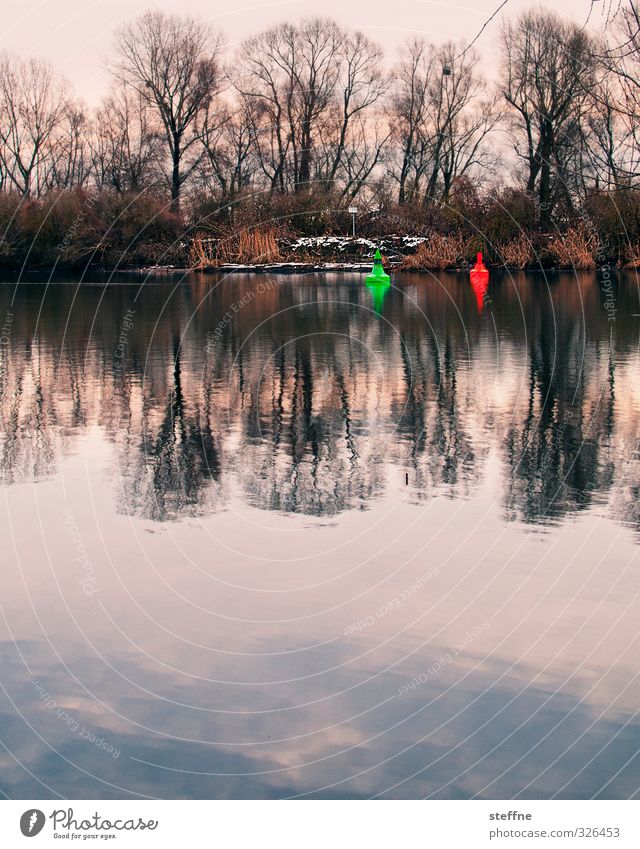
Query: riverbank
[(341, 255), (83, 230), (13, 274), (576, 249), (266, 248)]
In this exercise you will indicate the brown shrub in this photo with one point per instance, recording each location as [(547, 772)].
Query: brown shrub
[(507, 215), (617, 217)]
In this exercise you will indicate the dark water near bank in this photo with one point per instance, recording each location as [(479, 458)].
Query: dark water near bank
[(289, 536)]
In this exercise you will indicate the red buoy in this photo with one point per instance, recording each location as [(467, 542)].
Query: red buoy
[(480, 266), (479, 280)]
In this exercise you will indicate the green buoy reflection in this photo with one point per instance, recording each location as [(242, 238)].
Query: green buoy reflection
[(378, 293)]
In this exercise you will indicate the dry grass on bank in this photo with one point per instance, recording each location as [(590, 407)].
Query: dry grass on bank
[(576, 249), (633, 256), (516, 254), (438, 253), (258, 246), (253, 247), (202, 253)]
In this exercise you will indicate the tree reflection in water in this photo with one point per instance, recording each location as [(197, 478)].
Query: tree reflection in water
[(310, 401)]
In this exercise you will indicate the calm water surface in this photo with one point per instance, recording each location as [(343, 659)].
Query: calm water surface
[(276, 536)]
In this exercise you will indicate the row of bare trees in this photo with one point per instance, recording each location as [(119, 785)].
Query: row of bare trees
[(43, 130), (313, 105), (567, 110)]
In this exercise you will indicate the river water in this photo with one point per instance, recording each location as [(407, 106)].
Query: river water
[(275, 536)]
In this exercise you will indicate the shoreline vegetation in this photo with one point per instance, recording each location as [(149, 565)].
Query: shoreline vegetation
[(205, 156), (80, 230)]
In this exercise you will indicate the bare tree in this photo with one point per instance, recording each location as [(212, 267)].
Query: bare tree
[(360, 85), (440, 118), (312, 85), (622, 56), (69, 163), (617, 103), (172, 62), (315, 69), (366, 149), (34, 102), (457, 128), (547, 72), (228, 137), (409, 109), (464, 150), (260, 75), (602, 154), (125, 145)]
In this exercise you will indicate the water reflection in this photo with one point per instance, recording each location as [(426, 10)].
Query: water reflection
[(175, 466), (480, 285), (378, 293), (203, 757), (272, 610), (294, 387)]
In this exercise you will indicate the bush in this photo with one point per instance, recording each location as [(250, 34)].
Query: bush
[(11, 236), (632, 256), (617, 218), (507, 215), (77, 227), (72, 228)]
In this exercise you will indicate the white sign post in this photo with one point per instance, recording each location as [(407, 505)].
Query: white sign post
[(352, 211)]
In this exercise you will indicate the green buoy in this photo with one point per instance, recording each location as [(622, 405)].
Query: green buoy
[(377, 272)]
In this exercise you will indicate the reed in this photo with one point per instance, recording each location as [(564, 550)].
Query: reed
[(577, 248), (258, 245), (250, 246), (437, 253), (203, 253), (632, 258), (518, 253)]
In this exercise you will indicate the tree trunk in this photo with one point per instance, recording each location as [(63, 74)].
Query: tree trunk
[(402, 197), (175, 177), (304, 172), (545, 177), (447, 177), (430, 194)]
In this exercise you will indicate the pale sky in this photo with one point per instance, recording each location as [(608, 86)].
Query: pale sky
[(76, 35)]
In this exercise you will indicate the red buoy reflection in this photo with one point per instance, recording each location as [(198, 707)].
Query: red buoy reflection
[(479, 281)]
